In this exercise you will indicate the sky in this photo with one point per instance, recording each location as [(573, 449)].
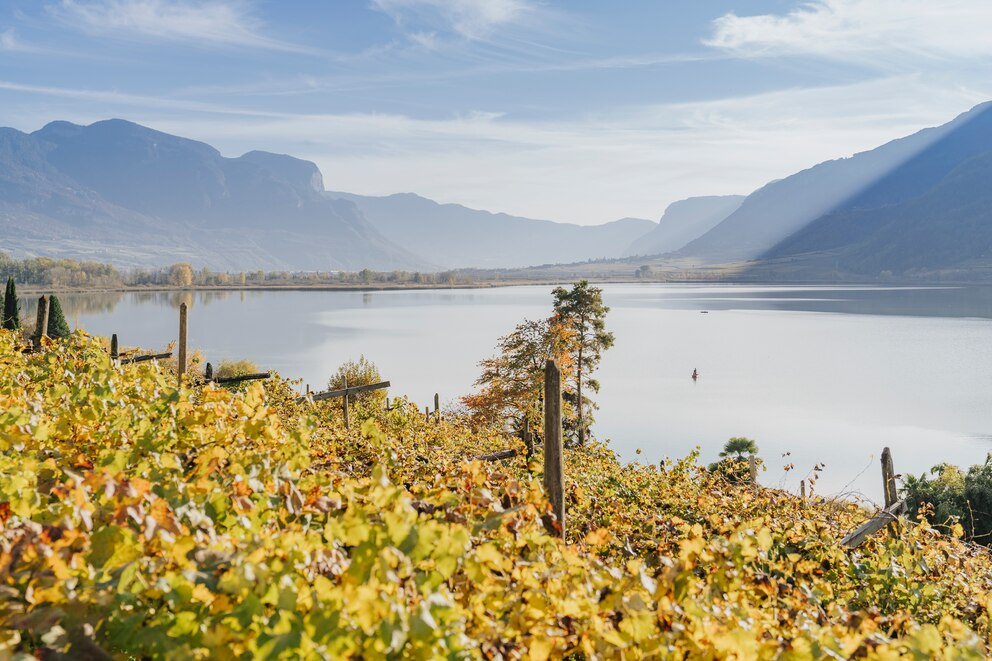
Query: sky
[(579, 111)]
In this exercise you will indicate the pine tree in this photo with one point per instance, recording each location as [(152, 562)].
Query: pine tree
[(11, 312), (582, 312), (58, 328)]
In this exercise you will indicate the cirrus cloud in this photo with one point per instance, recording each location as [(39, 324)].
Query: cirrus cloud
[(212, 23)]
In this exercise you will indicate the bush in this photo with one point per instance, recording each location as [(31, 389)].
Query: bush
[(361, 372), (954, 497)]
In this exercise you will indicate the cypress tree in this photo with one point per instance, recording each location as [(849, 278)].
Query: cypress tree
[(58, 328), (11, 314)]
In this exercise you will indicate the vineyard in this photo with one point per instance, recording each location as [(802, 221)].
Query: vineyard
[(141, 521)]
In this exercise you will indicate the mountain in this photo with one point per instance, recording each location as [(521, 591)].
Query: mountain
[(684, 221), (121, 192), (456, 236), (948, 227), (864, 185)]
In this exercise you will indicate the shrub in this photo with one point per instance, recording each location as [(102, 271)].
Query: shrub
[(361, 372)]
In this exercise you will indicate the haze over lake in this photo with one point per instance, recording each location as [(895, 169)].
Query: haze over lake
[(828, 374)]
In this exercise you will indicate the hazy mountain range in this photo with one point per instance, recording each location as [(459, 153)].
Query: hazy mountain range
[(452, 235), (918, 204), (116, 191), (684, 221)]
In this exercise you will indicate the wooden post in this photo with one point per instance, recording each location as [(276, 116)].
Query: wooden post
[(208, 372), (114, 349), (437, 409), (889, 485), (182, 342), (41, 327), (802, 489), (308, 388), (387, 404), (347, 417), (528, 438), (427, 413), (752, 464), (554, 469)]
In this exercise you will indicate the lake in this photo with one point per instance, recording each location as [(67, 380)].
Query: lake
[(814, 374)]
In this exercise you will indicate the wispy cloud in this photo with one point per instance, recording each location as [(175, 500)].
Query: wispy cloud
[(873, 32), (211, 23), (589, 168), (472, 19), (593, 168), (121, 102)]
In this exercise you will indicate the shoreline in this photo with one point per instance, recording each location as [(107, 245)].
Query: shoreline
[(365, 287)]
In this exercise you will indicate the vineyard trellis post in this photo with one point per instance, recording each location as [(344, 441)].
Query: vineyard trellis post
[(114, 348), (554, 470), (889, 486), (41, 329), (347, 415), (182, 341), (889, 516)]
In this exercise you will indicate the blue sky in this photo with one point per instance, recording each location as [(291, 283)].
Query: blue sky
[(582, 111)]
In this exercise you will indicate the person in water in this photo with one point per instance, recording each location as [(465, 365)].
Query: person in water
[(695, 374)]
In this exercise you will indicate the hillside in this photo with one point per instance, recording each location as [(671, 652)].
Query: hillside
[(455, 236), (120, 192), (894, 173), (684, 221), (138, 521), (948, 228)]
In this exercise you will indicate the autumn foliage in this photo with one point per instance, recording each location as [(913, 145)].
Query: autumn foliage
[(138, 521)]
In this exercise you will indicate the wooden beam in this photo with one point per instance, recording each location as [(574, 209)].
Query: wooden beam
[(889, 515), (495, 456), (240, 377), (114, 351), (351, 390), (141, 359)]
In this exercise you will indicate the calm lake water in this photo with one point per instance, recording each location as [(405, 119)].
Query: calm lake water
[(827, 374)]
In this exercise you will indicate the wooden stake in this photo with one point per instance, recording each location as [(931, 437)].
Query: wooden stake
[(889, 486), (752, 464), (802, 489), (554, 468), (347, 417), (41, 328), (208, 373), (528, 438), (182, 342), (437, 408), (114, 350)]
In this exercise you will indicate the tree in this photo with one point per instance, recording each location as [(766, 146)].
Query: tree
[(58, 328), (512, 382), (581, 311), (739, 446), (954, 497), (181, 275), (11, 309), (361, 372)]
